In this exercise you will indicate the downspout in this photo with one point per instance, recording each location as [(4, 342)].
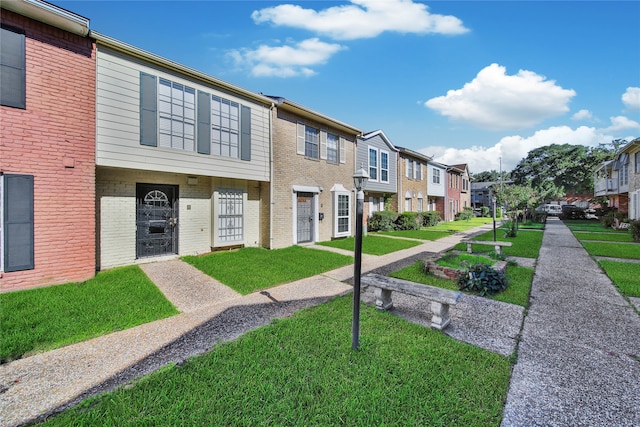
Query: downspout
[(271, 175)]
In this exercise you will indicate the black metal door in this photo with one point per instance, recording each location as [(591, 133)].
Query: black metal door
[(156, 220), (305, 217)]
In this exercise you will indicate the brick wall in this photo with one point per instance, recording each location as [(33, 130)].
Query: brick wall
[(413, 186), (53, 139), (291, 169)]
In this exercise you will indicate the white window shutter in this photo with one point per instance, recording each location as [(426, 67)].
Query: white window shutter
[(343, 151), (300, 138), (406, 168), (323, 144)]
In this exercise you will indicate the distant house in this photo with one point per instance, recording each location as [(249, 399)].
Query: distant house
[(412, 181), (312, 166), (436, 187), (465, 187), (182, 158), (618, 180), (379, 157), (47, 146), (481, 193), (454, 187)]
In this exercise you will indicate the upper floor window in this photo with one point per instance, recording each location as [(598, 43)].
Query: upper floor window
[(373, 164), (225, 127), (176, 115), (12, 69), (436, 176), (638, 162), (332, 148), (311, 142), (384, 166), (409, 165), (418, 171)]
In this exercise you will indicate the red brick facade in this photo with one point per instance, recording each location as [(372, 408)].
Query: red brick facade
[(53, 140)]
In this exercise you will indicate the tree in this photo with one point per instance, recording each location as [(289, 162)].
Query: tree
[(490, 176), (566, 166)]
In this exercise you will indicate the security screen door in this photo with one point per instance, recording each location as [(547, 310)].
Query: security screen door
[(305, 217), (156, 220)]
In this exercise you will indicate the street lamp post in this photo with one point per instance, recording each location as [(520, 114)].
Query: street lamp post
[(493, 202), (360, 180)]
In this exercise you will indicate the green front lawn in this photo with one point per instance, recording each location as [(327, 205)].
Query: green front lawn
[(625, 275), (606, 237), (302, 371), (422, 234), (517, 292), (526, 244), (372, 245), (594, 226), (250, 269), (613, 250), (462, 225), (46, 318)]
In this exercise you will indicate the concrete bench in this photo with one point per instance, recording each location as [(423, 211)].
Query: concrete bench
[(440, 298), (497, 245)]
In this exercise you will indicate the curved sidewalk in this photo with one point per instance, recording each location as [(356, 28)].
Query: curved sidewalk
[(579, 355)]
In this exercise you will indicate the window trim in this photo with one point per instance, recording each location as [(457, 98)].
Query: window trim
[(384, 169), (239, 194), (309, 143), (337, 148), (436, 176), (371, 167), (336, 193), (26, 217)]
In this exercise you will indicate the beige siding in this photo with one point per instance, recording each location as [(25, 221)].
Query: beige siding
[(118, 124)]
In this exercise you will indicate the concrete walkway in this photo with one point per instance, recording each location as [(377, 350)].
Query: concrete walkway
[(579, 356), (36, 386)]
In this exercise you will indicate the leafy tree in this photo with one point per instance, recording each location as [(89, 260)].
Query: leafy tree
[(490, 176), (566, 166)]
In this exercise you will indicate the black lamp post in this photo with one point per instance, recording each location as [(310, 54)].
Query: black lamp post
[(360, 179), (493, 202)]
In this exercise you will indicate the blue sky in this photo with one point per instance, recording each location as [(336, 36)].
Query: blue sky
[(464, 81)]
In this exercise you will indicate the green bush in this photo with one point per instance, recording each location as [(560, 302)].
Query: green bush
[(483, 280), (608, 220), (485, 212), (466, 214), (382, 221), (431, 218), (407, 221), (540, 217), (635, 230)]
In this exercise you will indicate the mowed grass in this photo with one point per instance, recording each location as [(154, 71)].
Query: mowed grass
[(626, 276), (372, 245), (526, 244), (457, 260), (462, 225), (517, 292), (422, 234), (613, 250), (250, 269), (593, 226), (43, 319), (302, 371), (604, 237)]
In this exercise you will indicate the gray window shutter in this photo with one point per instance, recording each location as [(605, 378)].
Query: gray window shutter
[(204, 123), (148, 110), (18, 222), (12, 69), (245, 133)]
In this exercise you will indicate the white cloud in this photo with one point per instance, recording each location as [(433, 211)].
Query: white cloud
[(494, 100), (286, 60), (631, 98), (582, 115), (362, 19), (619, 123), (514, 148)]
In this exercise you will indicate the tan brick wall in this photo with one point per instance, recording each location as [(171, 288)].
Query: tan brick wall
[(53, 139), (290, 168), (414, 186)]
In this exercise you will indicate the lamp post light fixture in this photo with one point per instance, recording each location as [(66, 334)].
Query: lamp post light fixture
[(493, 202), (360, 179)]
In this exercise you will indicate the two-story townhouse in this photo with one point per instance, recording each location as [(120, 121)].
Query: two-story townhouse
[(436, 189), (633, 148), (47, 146), (454, 186), (312, 169), (412, 181), (379, 157), (465, 185), (182, 158), (619, 180)]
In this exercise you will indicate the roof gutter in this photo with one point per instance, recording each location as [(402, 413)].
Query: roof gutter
[(49, 14), (299, 110)]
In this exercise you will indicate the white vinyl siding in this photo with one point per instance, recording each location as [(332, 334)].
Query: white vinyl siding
[(118, 125)]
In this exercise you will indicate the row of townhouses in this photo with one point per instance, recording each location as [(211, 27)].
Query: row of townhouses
[(111, 155), (618, 180)]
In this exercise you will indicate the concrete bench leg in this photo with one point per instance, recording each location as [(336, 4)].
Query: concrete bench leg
[(469, 251), (498, 249), (383, 299), (439, 315)]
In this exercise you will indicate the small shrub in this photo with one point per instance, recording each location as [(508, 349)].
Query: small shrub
[(485, 212), (407, 221), (431, 218), (466, 214), (635, 230), (382, 221), (483, 280), (540, 217)]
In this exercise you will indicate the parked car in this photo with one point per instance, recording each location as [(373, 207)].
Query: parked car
[(550, 209), (572, 212)]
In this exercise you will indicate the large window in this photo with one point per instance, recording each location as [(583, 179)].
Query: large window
[(407, 204), (436, 176), (409, 166), (230, 215), (384, 166), (341, 211), (17, 226), (12, 69), (373, 164), (225, 127), (177, 115), (420, 204), (332, 148), (311, 138), (418, 171)]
